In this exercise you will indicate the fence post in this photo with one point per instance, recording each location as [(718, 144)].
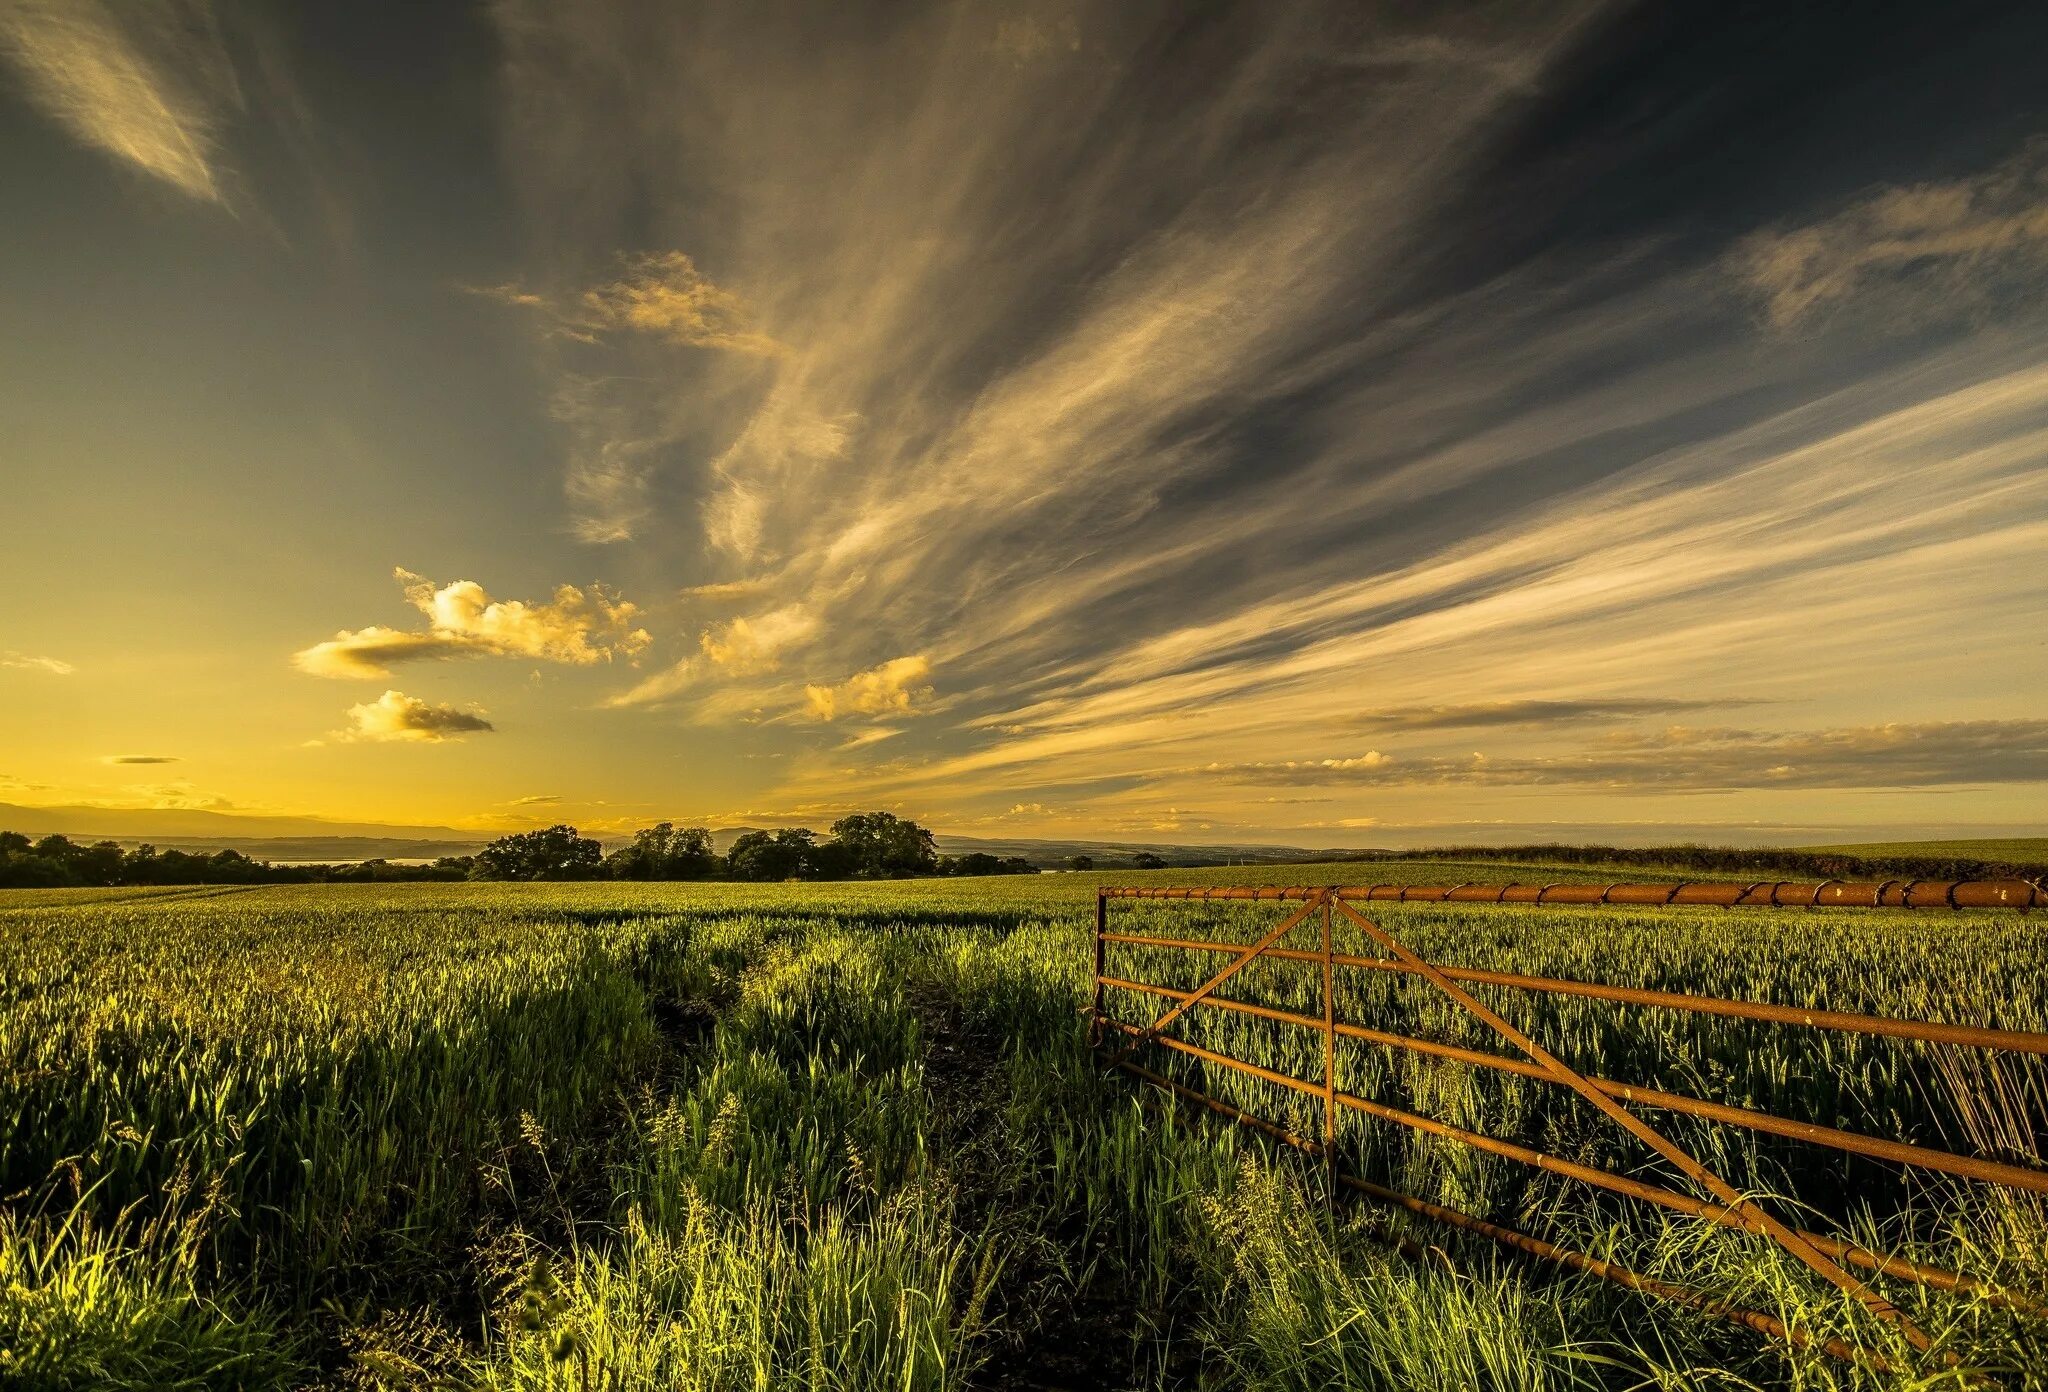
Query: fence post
[(1329, 1054), (1101, 927)]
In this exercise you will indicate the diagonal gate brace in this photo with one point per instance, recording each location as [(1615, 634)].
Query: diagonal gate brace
[(1242, 960), (1755, 1216)]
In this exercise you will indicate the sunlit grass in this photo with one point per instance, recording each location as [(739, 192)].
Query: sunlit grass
[(850, 1136)]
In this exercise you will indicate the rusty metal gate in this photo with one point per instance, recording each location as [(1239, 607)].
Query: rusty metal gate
[(1830, 1257)]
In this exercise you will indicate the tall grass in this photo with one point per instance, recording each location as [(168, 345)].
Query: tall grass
[(850, 1136)]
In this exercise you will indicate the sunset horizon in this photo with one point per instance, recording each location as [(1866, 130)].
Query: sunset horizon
[(1023, 696), (1292, 426)]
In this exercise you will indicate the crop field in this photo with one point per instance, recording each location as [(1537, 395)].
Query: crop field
[(852, 1136), (2020, 850)]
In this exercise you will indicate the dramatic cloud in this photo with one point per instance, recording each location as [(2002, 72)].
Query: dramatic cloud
[(29, 663), (1934, 249), (140, 759), (1204, 411), (395, 716), (146, 81), (1775, 561), (897, 687), (576, 627)]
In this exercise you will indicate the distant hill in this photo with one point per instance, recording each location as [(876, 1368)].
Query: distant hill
[(325, 850), (191, 829)]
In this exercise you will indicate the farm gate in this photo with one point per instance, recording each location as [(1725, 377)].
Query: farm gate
[(1619, 1101)]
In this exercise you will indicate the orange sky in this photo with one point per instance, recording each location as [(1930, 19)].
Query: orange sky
[(1296, 427)]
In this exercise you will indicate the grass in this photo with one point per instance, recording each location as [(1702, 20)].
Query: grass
[(850, 1136), (2017, 850)]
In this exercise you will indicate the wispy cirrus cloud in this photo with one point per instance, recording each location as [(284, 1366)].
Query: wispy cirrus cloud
[(576, 627), (954, 375), (608, 339), (31, 662), (1931, 250), (140, 759), (661, 294), (1181, 423), (1770, 561), (746, 646), (145, 81), (749, 645)]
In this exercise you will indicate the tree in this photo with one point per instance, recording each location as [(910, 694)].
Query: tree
[(881, 845), (982, 863), (1081, 862), (101, 863), (661, 852), (555, 853), (789, 854), (1146, 860)]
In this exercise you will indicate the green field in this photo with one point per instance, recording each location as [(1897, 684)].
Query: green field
[(851, 1136), (2017, 850)]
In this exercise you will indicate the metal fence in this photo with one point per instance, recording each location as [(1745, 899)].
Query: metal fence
[(1620, 1101)]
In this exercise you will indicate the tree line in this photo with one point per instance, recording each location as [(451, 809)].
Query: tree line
[(863, 846), (58, 862), (1740, 862)]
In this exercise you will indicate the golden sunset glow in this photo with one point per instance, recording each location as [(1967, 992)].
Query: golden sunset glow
[(741, 420)]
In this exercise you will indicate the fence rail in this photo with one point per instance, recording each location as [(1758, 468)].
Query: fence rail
[(1757, 894), (1830, 1257)]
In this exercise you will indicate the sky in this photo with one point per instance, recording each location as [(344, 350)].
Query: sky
[(1320, 424)]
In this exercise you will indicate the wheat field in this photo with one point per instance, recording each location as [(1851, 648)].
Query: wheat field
[(851, 1136)]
